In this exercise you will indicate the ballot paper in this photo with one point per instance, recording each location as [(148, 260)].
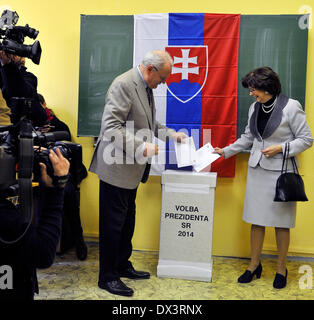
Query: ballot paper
[(203, 157), (185, 152), (187, 155)]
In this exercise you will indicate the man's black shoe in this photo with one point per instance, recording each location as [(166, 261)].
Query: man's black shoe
[(131, 273), (116, 287)]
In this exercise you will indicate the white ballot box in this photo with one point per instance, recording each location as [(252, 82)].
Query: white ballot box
[(186, 226)]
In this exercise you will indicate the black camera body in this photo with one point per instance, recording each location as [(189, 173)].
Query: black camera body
[(13, 36), (10, 157), (71, 151)]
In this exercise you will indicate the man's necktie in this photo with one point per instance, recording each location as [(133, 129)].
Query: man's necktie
[(150, 101), (149, 96)]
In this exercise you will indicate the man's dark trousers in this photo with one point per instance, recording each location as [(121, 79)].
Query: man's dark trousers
[(116, 228)]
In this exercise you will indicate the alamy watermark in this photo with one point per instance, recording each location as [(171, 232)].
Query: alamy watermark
[(306, 280), (125, 145), (6, 277)]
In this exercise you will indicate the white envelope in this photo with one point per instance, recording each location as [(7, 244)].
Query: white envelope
[(203, 157), (185, 152)]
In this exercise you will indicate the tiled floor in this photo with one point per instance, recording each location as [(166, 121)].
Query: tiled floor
[(70, 279)]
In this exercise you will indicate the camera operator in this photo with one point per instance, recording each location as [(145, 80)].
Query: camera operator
[(15, 81), (36, 249), (72, 231)]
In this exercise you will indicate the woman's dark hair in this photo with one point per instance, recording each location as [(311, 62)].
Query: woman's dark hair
[(263, 78)]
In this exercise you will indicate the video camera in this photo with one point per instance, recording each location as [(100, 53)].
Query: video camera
[(71, 151), (10, 154), (13, 36)]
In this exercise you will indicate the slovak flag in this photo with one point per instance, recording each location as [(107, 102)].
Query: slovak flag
[(200, 96)]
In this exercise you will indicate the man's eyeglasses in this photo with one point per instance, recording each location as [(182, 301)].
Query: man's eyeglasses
[(163, 79)]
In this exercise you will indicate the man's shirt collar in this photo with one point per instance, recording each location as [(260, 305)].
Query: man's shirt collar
[(141, 75)]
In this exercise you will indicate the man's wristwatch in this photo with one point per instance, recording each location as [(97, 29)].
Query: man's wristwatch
[(60, 181)]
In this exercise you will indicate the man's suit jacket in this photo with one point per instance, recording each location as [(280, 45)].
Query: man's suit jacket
[(130, 119), (287, 123)]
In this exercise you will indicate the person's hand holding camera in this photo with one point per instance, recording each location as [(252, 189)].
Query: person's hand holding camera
[(61, 170)]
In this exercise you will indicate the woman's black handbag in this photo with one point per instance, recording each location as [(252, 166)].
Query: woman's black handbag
[(290, 186)]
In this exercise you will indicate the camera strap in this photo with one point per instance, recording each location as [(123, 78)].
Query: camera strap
[(26, 158)]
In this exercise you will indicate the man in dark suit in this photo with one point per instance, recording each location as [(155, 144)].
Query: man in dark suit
[(120, 160)]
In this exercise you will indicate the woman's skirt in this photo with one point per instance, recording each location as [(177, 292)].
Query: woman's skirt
[(259, 205)]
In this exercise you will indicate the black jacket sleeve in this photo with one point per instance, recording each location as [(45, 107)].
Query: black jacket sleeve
[(36, 249), (45, 235)]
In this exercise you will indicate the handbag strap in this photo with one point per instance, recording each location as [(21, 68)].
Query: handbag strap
[(284, 167), (285, 158), (294, 165)]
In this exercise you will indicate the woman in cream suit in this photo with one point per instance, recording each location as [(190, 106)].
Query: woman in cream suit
[(274, 119)]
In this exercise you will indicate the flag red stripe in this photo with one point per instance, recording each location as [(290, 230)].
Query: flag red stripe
[(219, 98)]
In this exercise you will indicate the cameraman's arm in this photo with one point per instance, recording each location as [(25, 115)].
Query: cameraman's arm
[(48, 230)]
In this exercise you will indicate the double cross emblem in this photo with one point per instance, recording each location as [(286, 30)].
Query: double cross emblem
[(189, 71)]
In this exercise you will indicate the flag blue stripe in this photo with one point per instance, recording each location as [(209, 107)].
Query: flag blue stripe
[(185, 29)]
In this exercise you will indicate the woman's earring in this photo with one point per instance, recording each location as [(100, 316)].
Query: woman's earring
[(266, 92)]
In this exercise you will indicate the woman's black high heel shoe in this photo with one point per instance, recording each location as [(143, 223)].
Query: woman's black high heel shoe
[(247, 276), (280, 280)]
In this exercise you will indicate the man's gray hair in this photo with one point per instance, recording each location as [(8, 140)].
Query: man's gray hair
[(157, 58)]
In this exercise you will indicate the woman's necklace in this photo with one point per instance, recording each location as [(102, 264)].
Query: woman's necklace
[(269, 108)]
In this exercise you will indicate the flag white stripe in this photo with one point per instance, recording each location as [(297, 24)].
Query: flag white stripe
[(151, 33)]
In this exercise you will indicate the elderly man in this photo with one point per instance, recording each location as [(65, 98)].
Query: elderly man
[(121, 162)]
